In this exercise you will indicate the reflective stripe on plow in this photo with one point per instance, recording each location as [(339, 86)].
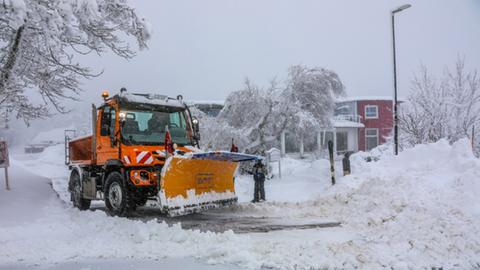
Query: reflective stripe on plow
[(141, 155), (149, 160), (144, 157)]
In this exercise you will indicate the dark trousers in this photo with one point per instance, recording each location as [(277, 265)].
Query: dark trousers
[(259, 191)]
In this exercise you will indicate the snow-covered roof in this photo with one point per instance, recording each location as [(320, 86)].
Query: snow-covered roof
[(345, 123), (365, 98), (153, 99), (205, 102)]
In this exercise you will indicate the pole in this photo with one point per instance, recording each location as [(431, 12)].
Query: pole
[(332, 161), (7, 184), (282, 144), (395, 101)]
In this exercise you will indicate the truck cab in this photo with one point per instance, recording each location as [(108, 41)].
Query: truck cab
[(131, 123)]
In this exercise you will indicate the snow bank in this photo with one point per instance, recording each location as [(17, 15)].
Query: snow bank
[(92, 235), (419, 209)]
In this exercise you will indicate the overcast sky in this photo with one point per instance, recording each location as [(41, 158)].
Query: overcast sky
[(204, 49)]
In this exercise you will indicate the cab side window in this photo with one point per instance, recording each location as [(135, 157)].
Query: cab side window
[(108, 122), (177, 120)]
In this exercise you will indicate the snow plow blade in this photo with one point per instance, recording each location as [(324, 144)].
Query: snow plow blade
[(199, 181)]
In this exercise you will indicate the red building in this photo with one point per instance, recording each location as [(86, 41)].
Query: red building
[(376, 115)]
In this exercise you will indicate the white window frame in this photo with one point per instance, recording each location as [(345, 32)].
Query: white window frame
[(371, 106), (371, 136)]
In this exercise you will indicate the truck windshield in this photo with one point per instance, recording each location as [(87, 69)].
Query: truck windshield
[(149, 127)]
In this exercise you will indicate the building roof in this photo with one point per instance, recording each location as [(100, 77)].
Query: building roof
[(366, 98)]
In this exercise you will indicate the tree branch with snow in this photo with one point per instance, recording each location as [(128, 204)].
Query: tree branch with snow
[(42, 39)]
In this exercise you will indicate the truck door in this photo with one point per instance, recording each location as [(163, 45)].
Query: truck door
[(106, 146)]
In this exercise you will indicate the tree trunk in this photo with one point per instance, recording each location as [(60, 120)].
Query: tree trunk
[(6, 70)]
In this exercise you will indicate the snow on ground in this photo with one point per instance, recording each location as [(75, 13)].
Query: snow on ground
[(420, 209)]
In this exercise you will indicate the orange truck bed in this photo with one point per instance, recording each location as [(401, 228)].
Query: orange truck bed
[(81, 150)]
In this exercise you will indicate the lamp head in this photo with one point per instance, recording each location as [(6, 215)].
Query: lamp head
[(400, 8)]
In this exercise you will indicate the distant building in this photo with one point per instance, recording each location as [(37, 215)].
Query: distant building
[(210, 108), (359, 123), (374, 113)]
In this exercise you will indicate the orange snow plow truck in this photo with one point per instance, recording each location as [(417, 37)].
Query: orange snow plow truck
[(125, 161)]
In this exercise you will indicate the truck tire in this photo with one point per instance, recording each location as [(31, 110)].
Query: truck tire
[(76, 193), (118, 199)]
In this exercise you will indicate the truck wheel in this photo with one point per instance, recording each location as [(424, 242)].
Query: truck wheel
[(118, 200), (76, 193)]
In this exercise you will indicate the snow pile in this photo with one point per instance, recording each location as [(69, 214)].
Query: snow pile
[(420, 209)]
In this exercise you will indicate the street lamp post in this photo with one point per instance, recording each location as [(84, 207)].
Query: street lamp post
[(395, 102)]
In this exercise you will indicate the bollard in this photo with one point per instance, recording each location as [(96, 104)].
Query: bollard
[(346, 163)]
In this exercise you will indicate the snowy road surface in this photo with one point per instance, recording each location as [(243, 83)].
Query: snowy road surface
[(420, 209), (32, 201)]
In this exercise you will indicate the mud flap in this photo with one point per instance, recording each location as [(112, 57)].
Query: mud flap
[(199, 181)]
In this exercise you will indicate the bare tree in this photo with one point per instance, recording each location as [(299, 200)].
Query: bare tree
[(442, 108), (39, 40)]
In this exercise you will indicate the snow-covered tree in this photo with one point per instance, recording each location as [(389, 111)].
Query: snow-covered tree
[(39, 40), (255, 117), (308, 99), (250, 114), (442, 108)]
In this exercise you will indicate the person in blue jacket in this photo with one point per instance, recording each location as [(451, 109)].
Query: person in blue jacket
[(259, 173)]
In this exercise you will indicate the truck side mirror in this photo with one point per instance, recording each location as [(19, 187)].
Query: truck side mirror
[(196, 125), (196, 129)]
